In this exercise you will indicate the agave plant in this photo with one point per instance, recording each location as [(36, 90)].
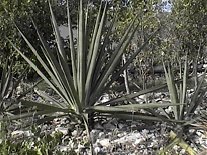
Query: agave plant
[(185, 110), (7, 87), (178, 92), (93, 66)]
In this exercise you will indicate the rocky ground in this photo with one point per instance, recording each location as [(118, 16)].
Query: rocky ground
[(113, 136), (118, 137)]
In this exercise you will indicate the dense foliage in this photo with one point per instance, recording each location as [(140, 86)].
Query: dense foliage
[(19, 13)]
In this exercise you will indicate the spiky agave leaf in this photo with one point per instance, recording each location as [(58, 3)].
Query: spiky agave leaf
[(172, 89), (130, 107), (177, 140)]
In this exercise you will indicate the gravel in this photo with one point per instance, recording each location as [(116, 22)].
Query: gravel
[(116, 137)]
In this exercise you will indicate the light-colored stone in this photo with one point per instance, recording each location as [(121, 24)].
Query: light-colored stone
[(62, 129), (104, 142), (97, 150)]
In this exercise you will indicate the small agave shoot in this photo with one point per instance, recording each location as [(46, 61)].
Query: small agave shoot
[(8, 85), (92, 69), (184, 111)]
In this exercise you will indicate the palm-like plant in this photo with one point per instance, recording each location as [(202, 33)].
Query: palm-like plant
[(92, 69)]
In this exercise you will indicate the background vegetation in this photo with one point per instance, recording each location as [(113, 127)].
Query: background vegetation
[(122, 49)]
